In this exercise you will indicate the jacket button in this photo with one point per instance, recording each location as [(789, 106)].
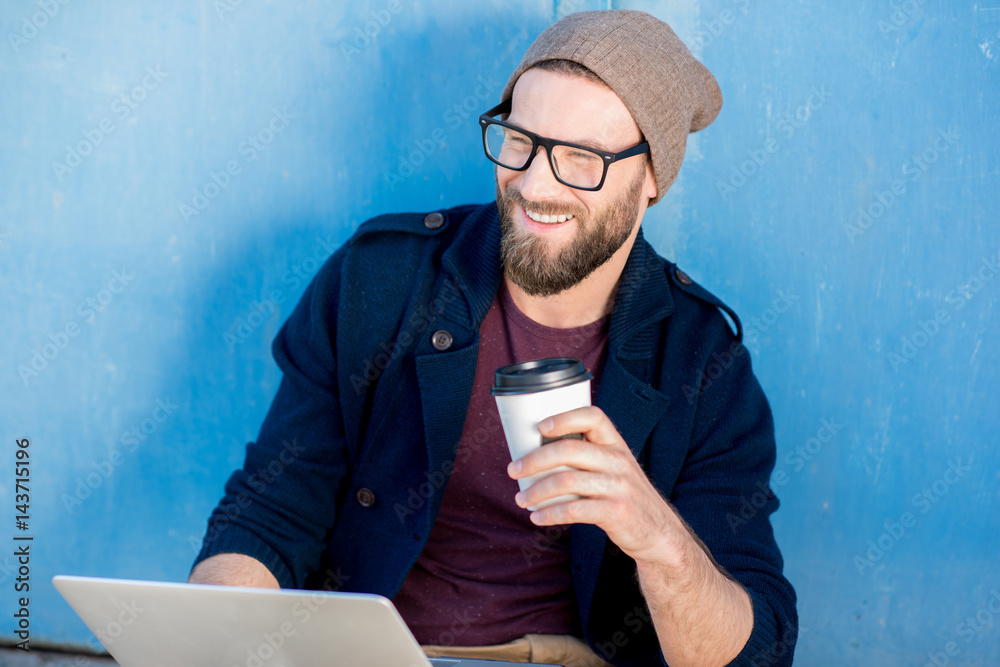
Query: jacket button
[(682, 278), (366, 498), (434, 220), (441, 340)]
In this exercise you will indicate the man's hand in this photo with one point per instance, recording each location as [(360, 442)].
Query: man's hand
[(615, 493), (701, 616)]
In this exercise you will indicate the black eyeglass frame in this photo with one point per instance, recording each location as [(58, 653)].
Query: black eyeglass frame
[(607, 158)]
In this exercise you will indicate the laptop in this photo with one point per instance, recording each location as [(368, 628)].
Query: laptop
[(161, 624)]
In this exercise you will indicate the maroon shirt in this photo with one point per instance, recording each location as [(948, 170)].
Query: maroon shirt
[(487, 574)]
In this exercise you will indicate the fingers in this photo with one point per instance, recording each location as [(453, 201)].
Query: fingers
[(603, 471), (579, 454), (590, 421), (585, 510), (570, 482)]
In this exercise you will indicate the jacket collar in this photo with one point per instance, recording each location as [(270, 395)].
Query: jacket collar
[(473, 261), (643, 298)]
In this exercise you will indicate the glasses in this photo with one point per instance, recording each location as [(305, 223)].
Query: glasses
[(576, 166)]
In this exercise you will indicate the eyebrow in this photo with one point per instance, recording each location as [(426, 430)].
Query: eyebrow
[(589, 143)]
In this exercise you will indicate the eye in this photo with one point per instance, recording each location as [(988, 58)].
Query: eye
[(516, 138), (582, 156)]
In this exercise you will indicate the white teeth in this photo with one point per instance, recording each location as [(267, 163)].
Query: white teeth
[(537, 217)]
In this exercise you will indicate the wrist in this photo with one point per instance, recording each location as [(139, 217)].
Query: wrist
[(677, 559)]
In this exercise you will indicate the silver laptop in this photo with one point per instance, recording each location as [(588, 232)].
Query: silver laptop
[(160, 624)]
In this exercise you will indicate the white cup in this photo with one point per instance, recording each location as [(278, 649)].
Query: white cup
[(530, 392)]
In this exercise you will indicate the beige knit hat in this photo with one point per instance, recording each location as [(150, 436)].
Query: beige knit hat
[(667, 91)]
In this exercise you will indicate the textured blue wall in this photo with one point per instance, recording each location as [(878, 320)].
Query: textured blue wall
[(172, 174)]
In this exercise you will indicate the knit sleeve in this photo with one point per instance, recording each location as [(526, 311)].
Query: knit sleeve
[(280, 506), (723, 493)]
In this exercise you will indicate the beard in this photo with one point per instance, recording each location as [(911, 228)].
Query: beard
[(526, 258)]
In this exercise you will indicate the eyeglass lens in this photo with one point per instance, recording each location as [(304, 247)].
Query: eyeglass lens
[(576, 166)]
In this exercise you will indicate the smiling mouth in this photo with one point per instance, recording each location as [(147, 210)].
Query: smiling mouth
[(547, 219)]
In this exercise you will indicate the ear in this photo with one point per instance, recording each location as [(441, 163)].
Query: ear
[(649, 184)]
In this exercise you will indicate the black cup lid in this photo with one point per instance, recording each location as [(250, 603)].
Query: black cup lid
[(538, 375)]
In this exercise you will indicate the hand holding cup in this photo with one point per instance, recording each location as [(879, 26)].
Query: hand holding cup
[(529, 392)]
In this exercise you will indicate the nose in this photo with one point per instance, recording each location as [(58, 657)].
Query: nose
[(537, 182)]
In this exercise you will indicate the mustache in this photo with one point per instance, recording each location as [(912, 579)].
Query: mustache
[(513, 196)]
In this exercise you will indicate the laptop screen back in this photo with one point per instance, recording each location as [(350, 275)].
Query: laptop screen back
[(155, 624)]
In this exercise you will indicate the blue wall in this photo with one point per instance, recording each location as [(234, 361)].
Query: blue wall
[(845, 203)]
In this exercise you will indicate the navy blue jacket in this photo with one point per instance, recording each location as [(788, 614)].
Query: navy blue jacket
[(345, 480)]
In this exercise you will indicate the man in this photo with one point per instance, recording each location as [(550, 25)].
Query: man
[(393, 474)]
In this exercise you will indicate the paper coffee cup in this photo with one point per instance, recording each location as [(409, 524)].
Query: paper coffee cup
[(530, 392)]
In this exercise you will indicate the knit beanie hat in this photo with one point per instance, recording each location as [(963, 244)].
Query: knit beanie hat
[(638, 56)]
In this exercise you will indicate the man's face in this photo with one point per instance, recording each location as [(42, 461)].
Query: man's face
[(554, 236)]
